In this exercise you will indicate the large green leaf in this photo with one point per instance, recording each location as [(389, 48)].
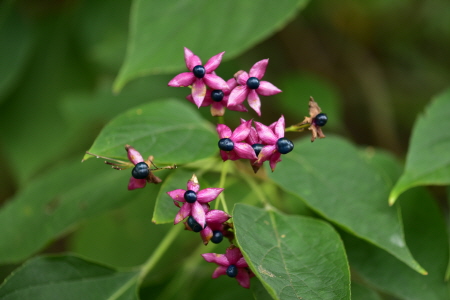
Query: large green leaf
[(58, 200), (426, 236), (170, 130), (338, 183), (68, 277), (428, 159), (294, 257), (160, 29)]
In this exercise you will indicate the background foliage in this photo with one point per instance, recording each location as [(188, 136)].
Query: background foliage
[(78, 75)]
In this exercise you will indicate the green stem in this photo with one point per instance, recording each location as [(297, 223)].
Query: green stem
[(159, 252), (223, 177), (295, 128), (220, 120), (255, 188)]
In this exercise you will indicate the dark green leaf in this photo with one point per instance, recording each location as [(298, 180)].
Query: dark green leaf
[(170, 130), (294, 257), (68, 277), (426, 236), (336, 182), (57, 201), (428, 158), (160, 30)]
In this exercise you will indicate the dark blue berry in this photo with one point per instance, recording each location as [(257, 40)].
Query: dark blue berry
[(140, 171), (257, 148), (253, 83), (232, 271), (321, 119), (217, 236), (199, 71), (190, 196), (226, 144), (194, 225), (284, 145), (217, 95)]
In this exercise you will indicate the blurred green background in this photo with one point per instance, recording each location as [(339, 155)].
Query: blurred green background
[(371, 65)]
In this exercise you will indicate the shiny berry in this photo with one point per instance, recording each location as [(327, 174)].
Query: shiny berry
[(194, 225), (284, 145), (226, 144), (217, 236), (190, 196), (217, 95), (232, 271), (199, 71), (253, 83), (257, 148), (140, 171), (321, 119)]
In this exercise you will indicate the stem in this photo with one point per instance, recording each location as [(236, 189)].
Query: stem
[(223, 177), (220, 120), (295, 128), (159, 252), (261, 196)]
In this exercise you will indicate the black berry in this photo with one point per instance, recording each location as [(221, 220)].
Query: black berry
[(217, 236), (253, 83), (226, 144), (257, 148), (217, 95), (284, 145), (232, 271), (194, 225), (190, 196), (321, 119), (140, 171), (199, 71)]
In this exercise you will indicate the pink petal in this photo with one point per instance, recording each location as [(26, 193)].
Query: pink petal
[(191, 59), (198, 213), (183, 213), (217, 109), (215, 82), (241, 77), (238, 95), (213, 62), (206, 235), (241, 132), (238, 107), (232, 83), (243, 278), (233, 255), (208, 195), (193, 186), (253, 137), (266, 153), (259, 69), (182, 79), (254, 102), (219, 271), (224, 131), (266, 134), (279, 127), (241, 263), (177, 195), (224, 155), (205, 102), (133, 155), (216, 216), (198, 91), (267, 89), (244, 150), (232, 155), (276, 158), (136, 183)]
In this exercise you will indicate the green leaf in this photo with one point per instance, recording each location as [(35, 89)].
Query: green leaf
[(294, 257), (425, 232), (170, 130), (68, 277), (361, 292), (428, 158), (160, 29), (57, 201), (336, 182)]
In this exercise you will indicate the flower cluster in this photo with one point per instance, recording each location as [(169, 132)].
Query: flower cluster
[(209, 89), (212, 225)]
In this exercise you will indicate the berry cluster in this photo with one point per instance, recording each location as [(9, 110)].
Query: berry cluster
[(251, 140)]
